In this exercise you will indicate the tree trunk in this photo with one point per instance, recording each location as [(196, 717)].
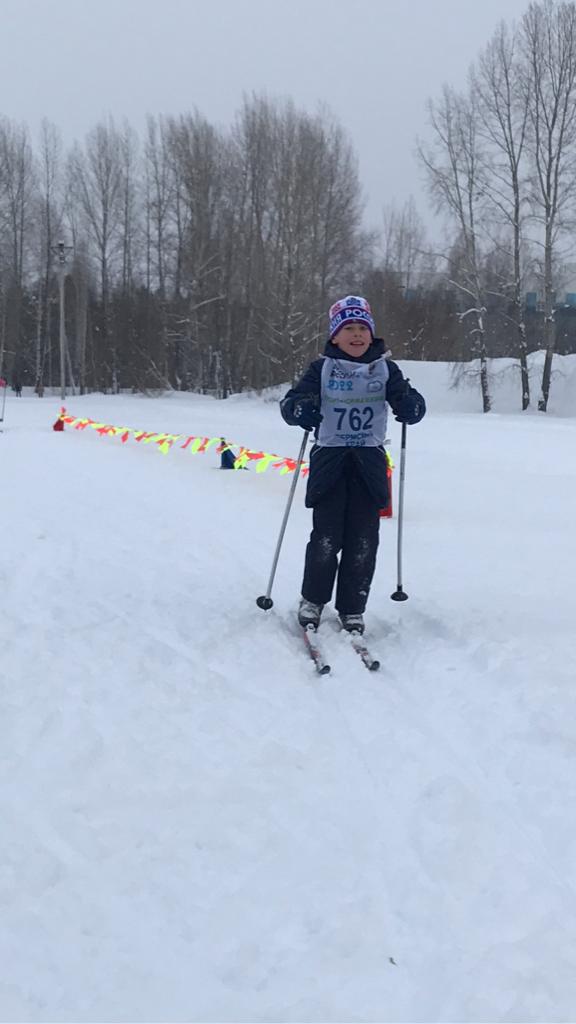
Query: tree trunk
[(549, 324)]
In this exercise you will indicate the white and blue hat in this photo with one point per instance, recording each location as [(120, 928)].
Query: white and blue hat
[(353, 309)]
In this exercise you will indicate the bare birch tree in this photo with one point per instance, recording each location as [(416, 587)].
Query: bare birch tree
[(17, 182), (312, 240), (403, 263), (403, 239), (548, 34), (197, 150), (456, 178), (51, 208), (159, 175), (503, 111), (96, 177)]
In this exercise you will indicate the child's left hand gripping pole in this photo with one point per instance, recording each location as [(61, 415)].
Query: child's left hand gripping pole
[(265, 601)]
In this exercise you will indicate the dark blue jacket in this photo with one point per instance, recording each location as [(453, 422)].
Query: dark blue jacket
[(327, 464)]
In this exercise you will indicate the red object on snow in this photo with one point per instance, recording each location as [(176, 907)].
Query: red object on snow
[(59, 425)]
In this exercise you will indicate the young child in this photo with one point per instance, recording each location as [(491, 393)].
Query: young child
[(343, 396)]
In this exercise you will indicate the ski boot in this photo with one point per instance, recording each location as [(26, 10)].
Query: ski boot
[(309, 613), (353, 623)]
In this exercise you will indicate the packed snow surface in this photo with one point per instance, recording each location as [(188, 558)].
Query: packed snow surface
[(195, 826)]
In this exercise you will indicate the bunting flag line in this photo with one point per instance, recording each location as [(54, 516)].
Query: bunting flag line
[(196, 445)]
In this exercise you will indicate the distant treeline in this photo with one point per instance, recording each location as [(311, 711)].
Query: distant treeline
[(203, 259)]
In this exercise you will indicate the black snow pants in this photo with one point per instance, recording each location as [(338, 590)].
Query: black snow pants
[(346, 519)]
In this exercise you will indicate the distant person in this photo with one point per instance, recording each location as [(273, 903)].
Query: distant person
[(17, 388), (227, 458), (344, 396)]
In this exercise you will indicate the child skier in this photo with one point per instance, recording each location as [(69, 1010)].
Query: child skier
[(343, 397)]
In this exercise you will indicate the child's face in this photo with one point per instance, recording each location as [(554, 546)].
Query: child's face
[(353, 339)]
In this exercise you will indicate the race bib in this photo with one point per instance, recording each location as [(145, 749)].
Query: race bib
[(354, 408)]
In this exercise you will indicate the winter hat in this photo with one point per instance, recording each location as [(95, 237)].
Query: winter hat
[(352, 309)]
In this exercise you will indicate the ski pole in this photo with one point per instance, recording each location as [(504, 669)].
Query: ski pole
[(265, 601), (4, 389), (399, 594)]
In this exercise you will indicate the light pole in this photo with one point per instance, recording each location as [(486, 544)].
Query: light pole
[(61, 252)]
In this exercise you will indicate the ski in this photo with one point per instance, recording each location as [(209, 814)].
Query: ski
[(358, 645), (353, 638), (310, 639)]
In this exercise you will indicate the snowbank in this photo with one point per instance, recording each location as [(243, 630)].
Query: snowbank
[(195, 827)]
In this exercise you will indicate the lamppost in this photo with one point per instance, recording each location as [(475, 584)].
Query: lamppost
[(61, 252)]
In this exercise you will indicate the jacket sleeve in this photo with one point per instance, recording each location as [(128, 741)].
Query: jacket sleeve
[(398, 388), (307, 387)]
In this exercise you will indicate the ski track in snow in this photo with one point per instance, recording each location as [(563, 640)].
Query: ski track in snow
[(196, 826)]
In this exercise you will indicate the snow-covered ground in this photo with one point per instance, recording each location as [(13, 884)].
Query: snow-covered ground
[(196, 827)]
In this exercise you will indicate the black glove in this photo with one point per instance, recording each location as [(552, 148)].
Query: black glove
[(306, 413), (410, 408)]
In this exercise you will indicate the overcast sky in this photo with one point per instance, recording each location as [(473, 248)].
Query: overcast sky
[(375, 63)]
